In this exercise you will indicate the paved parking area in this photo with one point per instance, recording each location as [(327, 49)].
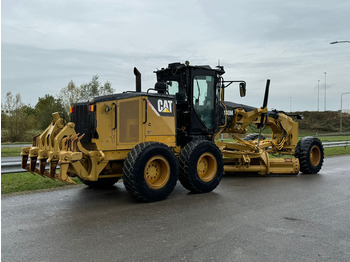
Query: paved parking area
[(277, 218)]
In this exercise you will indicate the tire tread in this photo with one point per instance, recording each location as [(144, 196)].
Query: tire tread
[(186, 179), (129, 173), (302, 152)]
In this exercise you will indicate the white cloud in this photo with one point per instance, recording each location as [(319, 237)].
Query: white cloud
[(45, 44)]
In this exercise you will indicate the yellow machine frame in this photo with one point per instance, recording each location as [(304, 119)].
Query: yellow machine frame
[(137, 121)]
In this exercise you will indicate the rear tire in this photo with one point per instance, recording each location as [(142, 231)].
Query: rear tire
[(101, 183), (310, 153), (201, 166), (150, 171)]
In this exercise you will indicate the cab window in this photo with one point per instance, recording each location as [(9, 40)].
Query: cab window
[(204, 98), (173, 87)]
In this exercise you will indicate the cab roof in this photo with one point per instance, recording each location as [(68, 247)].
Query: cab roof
[(177, 66)]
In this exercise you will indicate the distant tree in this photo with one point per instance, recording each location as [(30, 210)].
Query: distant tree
[(29, 111), (72, 93), (15, 121), (45, 107), (106, 89), (94, 88), (69, 95)]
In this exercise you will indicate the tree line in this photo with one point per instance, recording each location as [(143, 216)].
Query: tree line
[(19, 122)]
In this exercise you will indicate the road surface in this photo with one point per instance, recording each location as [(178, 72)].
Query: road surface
[(289, 218)]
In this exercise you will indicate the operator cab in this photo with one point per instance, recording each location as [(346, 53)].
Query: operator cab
[(197, 91)]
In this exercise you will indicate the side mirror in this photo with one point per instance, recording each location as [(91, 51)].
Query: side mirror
[(242, 89)]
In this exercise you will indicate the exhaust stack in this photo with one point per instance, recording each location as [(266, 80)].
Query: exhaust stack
[(138, 79)]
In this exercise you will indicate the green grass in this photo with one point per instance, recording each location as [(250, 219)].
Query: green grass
[(337, 151), (10, 151), (331, 151), (18, 182), (303, 133), (334, 138)]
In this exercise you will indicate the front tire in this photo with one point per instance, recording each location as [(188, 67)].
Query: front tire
[(150, 171), (310, 153), (201, 166)]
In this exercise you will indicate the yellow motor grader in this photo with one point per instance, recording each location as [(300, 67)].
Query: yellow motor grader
[(153, 138)]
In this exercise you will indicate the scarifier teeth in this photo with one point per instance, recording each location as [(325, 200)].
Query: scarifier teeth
[(24, 161), (66, 179), (65, 143), (35, 140), (53, 166), (33, 163), (63, 176), (42, 166), (68, 143), (75, 142)]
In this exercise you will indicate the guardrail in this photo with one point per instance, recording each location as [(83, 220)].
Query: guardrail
[(336, 144), (14, 165), (11, 167)]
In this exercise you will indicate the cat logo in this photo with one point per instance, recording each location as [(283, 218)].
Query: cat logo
[(162, 106), (165, 106)]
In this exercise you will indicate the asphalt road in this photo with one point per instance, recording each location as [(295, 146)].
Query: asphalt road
[(293, 218)]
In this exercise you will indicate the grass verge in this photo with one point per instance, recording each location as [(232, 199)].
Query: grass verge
[(337, 151), (334, 138), (18, 182), (10, 151)]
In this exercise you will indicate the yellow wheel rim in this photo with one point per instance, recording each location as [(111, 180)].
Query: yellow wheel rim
[(207, 167), (315, 155), (157, 172)]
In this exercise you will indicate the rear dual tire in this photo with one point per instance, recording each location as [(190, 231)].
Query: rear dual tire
[(201, 166)]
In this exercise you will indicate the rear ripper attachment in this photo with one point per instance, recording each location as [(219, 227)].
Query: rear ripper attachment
[(59, 145)]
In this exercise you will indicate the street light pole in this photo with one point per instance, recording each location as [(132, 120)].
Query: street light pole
[(341, 97), (325, 91), (341, 110)]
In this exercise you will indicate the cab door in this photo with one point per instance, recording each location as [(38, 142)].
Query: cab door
[(203, 102)]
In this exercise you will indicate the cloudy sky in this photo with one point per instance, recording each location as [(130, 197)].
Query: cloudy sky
[(45, 44)]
